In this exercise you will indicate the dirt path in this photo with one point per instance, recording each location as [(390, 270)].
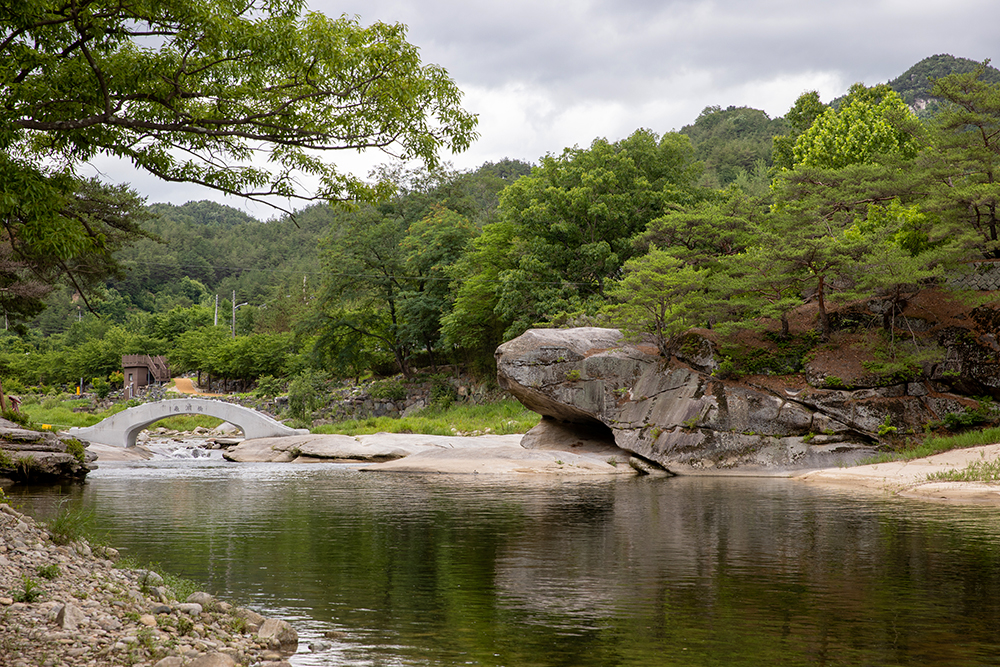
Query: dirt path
[(185, 386)]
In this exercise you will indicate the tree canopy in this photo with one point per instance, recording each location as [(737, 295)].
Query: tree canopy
[(247, 98), (191, 91)]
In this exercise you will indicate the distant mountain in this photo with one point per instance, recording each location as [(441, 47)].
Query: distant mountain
[(914, 85)]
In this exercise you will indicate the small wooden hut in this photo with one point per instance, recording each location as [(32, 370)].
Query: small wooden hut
[(141, 370)]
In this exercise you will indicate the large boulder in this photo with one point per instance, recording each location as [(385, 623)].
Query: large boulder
[(689, 421)]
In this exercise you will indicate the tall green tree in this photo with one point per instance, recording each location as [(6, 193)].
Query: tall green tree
[(963, 163), (196, 91), (567, 229), (659, 295), (800, 117), (869, 123)]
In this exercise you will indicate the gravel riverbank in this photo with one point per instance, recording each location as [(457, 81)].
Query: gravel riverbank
[(70, 605)]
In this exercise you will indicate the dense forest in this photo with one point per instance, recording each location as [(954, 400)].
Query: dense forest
[(733, 221)]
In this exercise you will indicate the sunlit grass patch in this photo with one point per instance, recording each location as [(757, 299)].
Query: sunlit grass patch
[(501, 418), (59, 413), (977, 471), (936, 444)]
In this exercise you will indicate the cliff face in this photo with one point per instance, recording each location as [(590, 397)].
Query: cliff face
[(677, 414)]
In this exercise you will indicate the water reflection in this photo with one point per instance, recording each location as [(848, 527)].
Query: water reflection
[(424, 569)]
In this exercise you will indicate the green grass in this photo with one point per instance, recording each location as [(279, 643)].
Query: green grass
[(58, 414), (502, 418), (179, 586), (977, 471), (936, 444), (71, 524)]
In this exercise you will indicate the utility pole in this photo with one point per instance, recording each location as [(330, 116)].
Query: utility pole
[(235, 306)]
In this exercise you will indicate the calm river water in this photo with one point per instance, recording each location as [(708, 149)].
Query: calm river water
[(436, 570)]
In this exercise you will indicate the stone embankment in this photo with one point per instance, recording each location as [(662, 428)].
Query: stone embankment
[(68, 605)]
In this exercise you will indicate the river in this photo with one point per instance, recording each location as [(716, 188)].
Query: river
[(539, 572)]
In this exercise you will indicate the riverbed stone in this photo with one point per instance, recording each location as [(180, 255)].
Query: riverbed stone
[(252, 618), (170, 661), (69, 617), (190, 608), (279, 634), (206, 600), (213, 660), (95, 614)]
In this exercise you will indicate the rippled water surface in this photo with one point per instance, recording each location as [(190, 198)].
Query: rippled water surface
[(479, 570)]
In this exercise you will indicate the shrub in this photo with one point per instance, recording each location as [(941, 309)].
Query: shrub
[(443, 392), (101, 387), (969, 417), (76, 448), (307, 393), (13, 386), (391, 389), (19, 418), (268, 386)]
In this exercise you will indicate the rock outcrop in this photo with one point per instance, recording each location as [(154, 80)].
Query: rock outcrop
[(688, 421), (27, 455)]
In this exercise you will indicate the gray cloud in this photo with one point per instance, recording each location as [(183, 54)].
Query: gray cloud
[(546, 74)]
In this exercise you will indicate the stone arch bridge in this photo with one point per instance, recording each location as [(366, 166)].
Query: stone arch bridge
[(121, 429)]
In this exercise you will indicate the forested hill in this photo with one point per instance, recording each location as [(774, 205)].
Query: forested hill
[(457, 262), (736, 142), (914, 85)]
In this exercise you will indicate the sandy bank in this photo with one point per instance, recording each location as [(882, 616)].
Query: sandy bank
[(909, 478)]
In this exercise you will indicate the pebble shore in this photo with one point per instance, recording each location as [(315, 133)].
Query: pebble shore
[(70, 605)]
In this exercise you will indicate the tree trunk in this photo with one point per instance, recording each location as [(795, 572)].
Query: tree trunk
[(824, 318)]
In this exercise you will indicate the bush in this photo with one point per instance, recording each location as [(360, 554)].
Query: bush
[(443, 392), (307, 393), (392, 389), (101, 387), (268, 386), (76, 448), (12, 386), (19, 418), (969, 417)]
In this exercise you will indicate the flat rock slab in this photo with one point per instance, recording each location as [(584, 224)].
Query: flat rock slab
[(116, 453), (504, 459), (375, 447)]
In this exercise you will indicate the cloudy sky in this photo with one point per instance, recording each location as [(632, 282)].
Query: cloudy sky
[(546, 74)]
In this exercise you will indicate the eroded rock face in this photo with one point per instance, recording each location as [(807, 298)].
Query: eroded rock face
[(689, 421), (41, 456)]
